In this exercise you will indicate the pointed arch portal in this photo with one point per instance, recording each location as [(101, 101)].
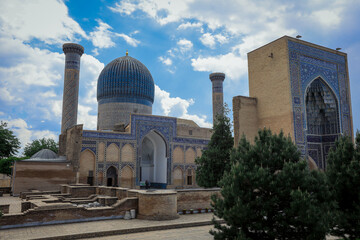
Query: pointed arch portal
[(153, 164), (322, 120), (112, 176)]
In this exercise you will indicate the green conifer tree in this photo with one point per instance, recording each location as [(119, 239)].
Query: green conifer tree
[(343, 172), (270, 193), (215, 160)]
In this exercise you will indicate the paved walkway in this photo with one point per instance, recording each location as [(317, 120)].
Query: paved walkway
[(191, 226), (191, 233), (106, 227)]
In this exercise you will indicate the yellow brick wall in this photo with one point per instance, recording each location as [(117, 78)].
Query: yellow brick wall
[(190, 155), (127, 153), (245, 118), (178, 155), (101, 152), (198, 152), (87, 163), (127, 177), (178, 177), (112, 153), (269, 82)]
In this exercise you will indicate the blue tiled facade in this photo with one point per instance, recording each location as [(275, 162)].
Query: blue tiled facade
[(307, 64), (141, 125)]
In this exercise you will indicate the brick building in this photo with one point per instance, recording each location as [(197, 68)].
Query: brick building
[(300, 88)]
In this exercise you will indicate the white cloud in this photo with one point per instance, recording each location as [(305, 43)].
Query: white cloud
[(208, 40), (85, 117), (89, 73), (25, 65), (328, 18), (125, 7), (187, 25), (101, 37), (46, 20), (35, 78), (48, 94), (221, 39), (129, 40), (56, 109), (7, 97), (184, 45), (25, 133), (232, 65), (176, 107), (163, 11), (165, 60)]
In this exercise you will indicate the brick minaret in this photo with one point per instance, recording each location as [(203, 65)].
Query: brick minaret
[(217, 80), (73, 53)]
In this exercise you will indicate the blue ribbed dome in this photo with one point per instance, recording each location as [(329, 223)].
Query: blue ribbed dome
[(125, 79)]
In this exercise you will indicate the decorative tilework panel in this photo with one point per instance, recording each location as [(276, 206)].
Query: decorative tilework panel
[(307, 63)]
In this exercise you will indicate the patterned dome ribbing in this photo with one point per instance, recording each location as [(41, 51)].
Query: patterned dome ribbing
[(125, 79)]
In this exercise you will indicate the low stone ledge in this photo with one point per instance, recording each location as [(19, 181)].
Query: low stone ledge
[(157, 204), (60, 212)]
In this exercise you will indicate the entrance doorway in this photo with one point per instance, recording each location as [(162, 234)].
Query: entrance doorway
[(111, 176), (153, 165)]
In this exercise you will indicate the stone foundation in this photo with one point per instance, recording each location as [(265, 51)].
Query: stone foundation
[(157, 204)]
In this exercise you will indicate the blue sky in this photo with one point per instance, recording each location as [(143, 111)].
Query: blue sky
[(180, 42)]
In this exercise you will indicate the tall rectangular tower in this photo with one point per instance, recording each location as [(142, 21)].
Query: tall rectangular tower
[(302, 89)]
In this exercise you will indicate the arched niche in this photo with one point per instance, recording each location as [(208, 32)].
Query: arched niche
[(127, 177), (112, 153), (178, 179), (322, 115), (86, 167), (178, 155), (322, 121), (127, 153), (153, 164), (190, 155), (190, 176), (111, 176)]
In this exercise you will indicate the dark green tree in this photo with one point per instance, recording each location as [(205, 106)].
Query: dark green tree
[(343, 173), (39, 144), (270, 193), (6, 163), (9, 144), (215, 160)]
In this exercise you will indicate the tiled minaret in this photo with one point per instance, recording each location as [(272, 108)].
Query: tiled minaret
[(217, 80), (73, 53)]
